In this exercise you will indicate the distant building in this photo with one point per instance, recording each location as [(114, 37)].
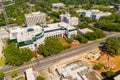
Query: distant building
[(80, 11), (58, 5), (5, 0), (35, 18), (87, 14), (68, 19), (101, 14), (84, 31), (111, 6), (94, 14), (29, 74), (118, 8), (32, 37)]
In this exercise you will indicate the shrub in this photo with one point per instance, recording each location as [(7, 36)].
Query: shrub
[(109, 73), (98, 66)]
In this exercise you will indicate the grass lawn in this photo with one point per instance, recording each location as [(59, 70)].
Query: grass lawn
[(2, 62), (63, 41)]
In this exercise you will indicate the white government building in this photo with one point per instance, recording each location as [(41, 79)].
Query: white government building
[(33, 36), (34, 18), (68, 19), (94, 14)]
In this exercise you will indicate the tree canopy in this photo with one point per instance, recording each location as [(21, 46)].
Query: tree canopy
[(51, 46), (109, 23), (81, 38), (109, 73), (14, 74), (2, 74), (40, 78), (96, 34), (15, 56), (112, 46)]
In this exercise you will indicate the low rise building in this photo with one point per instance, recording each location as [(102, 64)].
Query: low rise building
[(5, 0), (32, 37), (35, 18), (84, 31), (77, 71), (101, 14), (68, 19), (94, 14), (29, 74), (58, 5)]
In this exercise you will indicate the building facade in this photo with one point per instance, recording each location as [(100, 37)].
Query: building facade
[(94, 14), (68, 19), (35, 18), (32, 37)]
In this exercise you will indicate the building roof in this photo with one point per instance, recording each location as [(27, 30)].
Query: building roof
[(34, 14), (30, 74), (58, 5), (24, 34), (82, 10), (78, 71), (85, 30), (59, 25), (117, 77), (28, 34)]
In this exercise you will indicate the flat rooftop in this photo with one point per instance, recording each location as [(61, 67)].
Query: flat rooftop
[(25, 34), (85, 30), (58, 25), (30, 74), (34, 14), (78, 70)]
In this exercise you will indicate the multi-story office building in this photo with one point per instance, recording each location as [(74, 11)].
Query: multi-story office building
[(94, 14), (35, 18), (68, 19), (101, 14), (32, 37)]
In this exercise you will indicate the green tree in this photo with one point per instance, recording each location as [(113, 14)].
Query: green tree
[(15, 56), (40, 78), (12, 55), (26, 54), (81, 39), (69, 40), (2, 74), (51, 46), (14, 74), (112, 47), (98, 66), (87, 19), (109, 73)]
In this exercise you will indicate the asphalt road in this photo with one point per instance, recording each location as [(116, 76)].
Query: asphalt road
[(41, 64)]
